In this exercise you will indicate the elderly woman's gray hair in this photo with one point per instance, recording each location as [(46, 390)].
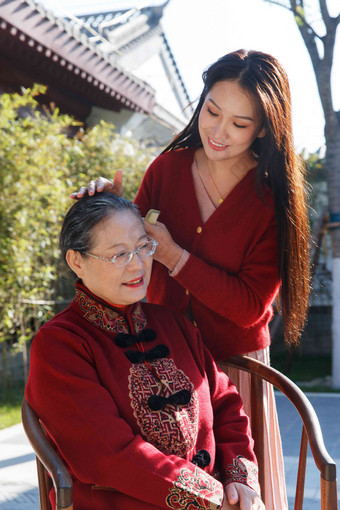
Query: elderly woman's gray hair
[(84, 215)]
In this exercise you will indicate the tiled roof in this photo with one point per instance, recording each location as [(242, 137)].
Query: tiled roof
[(118, 31), (29, 28)]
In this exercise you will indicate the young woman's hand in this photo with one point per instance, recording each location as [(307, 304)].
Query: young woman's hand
[(101, 184), (243, 497), (167, 252)]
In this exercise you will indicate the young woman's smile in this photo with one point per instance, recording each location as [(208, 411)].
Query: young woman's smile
[(228, 122), (216, 146)]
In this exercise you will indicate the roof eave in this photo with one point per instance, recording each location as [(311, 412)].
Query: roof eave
[(32, 25)]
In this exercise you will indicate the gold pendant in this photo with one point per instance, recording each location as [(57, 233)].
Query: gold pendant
[(220, 200)]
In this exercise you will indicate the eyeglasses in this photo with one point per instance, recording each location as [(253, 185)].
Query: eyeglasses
[(124, 257)]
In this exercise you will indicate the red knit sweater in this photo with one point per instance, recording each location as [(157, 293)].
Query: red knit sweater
[(231, 277), (94, 403)]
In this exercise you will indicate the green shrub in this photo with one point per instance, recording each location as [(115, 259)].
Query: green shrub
[(40, 165)]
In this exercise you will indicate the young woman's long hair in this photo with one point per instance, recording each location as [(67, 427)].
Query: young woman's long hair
[(262, 77)]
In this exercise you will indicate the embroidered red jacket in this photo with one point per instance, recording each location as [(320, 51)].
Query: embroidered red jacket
[(91, 377), (231, 277)]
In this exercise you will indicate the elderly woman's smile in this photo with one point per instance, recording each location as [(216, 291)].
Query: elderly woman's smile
[(119, 238), (135, 283)]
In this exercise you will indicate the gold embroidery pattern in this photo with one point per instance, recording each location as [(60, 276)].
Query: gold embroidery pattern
[(139, 318), (244, 471), (173, 429), (195, 490), (106, 318)]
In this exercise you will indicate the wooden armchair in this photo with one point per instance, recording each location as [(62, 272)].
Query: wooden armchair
[(48, 463), (311, 431)]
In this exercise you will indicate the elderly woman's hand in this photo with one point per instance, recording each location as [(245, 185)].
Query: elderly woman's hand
[(101, 184), (167, 252), (243, 497)]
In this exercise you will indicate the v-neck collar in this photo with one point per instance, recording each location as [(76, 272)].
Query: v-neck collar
[(228, 201)]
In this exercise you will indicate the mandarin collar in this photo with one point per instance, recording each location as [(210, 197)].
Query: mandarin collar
[(105, 316)]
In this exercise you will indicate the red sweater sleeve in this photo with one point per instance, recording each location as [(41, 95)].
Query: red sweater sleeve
[(242, 297), (98, 445)]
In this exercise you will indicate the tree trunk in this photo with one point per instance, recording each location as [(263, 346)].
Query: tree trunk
[(336, 323), (4, 364), (24, 348), (25, 361), (333, 172), (322, 66)]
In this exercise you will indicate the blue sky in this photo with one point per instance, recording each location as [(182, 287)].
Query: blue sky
[(200, 31)]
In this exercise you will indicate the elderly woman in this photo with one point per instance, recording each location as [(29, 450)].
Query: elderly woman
[(129, 396)]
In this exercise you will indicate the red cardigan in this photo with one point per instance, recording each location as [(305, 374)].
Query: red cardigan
[(92, 395), (231, 277)]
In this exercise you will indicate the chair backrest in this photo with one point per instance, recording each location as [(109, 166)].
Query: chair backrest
[(311, 431), (48, 463)]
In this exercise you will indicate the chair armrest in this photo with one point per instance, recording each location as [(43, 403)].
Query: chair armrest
[(323, 461), (61, 478)]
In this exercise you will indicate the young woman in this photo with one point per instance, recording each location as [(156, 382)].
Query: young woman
[(129, 396), (233, 229)]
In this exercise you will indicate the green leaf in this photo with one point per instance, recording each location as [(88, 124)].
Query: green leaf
[(39, 167)]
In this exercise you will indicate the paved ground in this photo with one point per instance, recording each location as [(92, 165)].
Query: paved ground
[(18, 480), (327, 407)]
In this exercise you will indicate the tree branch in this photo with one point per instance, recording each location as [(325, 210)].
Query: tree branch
[(307, 32), (300, 15), (278, 3), (324, 12), (322, 66), (293, 8)]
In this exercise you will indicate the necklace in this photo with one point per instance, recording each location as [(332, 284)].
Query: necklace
[(204, 186), (220, 200), (237, 177), (221, 196)]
